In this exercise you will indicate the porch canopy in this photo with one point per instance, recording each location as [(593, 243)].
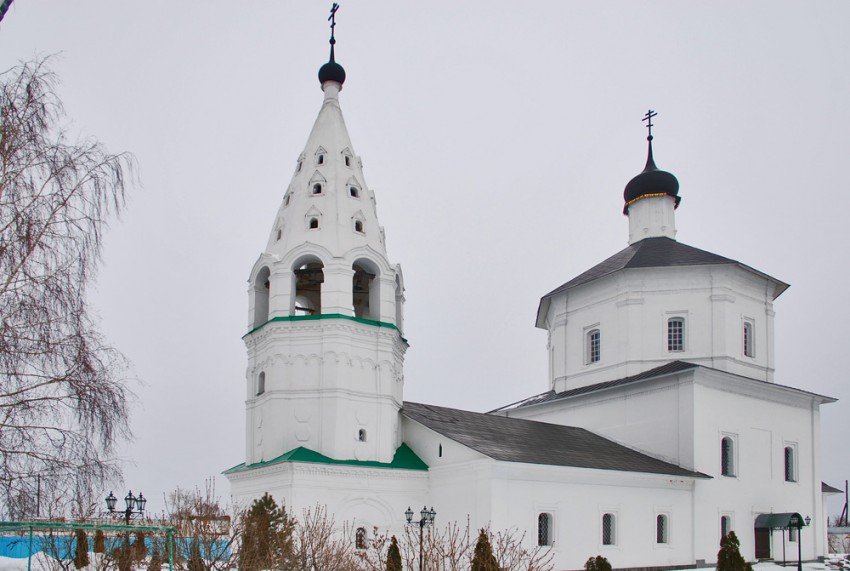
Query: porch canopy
[(780, 521)]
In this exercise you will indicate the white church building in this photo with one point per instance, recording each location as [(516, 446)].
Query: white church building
[(663, 427)]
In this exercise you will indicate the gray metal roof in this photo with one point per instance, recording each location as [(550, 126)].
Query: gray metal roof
[(519, 440), (656, 253), (667, 368)]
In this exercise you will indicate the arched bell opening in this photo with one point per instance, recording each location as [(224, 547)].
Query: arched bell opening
[(262, 286), (399, 303), (308, 276), (366, 294)]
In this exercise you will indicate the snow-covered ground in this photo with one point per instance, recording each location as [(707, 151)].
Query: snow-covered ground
[(833, 562)]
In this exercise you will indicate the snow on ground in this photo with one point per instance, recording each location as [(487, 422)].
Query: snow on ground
[(832, 562)]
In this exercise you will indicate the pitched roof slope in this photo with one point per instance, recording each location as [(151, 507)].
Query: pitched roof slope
[(519, 440), (550, 395), (655, 253)]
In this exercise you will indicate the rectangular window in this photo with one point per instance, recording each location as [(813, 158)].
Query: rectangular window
[(609, 529), (727, 456), (792, 534), (544, 529), (676, 334), (749, 341), (790, 463), (594, 346), (662, 524), (725, 525)]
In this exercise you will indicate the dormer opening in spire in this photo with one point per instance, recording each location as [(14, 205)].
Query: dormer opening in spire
[(651, 197)]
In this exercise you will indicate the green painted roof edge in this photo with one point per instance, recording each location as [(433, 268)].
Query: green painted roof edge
[(403, 459), (324, 316)]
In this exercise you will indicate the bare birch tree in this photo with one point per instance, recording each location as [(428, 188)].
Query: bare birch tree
[(63, 392)]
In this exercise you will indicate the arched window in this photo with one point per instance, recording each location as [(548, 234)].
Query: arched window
[(749, 341), (725, 525), (317, 188), (790, 465), (360, 538), (320, 159), (365, 295), (262, 285), (361, 435), (354, 192), (544, 529), (609, 531), (308, 278), (279, 233), (347, 161), (314, 223), (261, 383), (358, 226), (727, 456), (676, 334), (661, 528), (594, 346)]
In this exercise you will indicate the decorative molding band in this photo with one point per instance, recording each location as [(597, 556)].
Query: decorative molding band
[(323, 316)]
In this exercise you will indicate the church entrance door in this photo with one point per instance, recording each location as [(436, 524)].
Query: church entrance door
[(762, 543)]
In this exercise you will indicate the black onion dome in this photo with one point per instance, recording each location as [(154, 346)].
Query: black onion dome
[(651, 182), (332, 71)]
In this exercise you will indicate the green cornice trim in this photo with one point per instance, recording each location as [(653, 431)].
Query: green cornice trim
[(404, 459), (324, 316)]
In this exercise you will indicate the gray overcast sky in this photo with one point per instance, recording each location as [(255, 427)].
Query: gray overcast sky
[(498, 138)]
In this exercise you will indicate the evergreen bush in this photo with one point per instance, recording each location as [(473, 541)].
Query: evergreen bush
[(267, 541), (394, 556), (729, 557), (483, 558), (598, 563), (81, 549)]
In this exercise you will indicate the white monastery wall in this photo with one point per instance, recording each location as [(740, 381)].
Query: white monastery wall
[(761, 426), (631, 310), (354, 497)]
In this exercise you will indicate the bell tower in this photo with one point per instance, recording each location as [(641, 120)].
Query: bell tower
[(324, 342)]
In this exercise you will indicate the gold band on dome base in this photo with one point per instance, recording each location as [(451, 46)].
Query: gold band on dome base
[(629, 203)]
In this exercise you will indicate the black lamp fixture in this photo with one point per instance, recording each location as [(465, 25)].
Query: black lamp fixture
[(426, 518), (134, 505)]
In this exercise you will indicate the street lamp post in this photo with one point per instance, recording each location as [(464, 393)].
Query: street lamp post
[(426, 518), (800, 543), (134, 506)]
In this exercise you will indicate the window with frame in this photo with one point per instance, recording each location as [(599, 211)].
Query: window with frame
[(609, 529), (544, 529), (727, 456), (261, 383), (793, 533), (749, 341), (790, 464), (360, 538), (662, 528), (676, 334), (725, 525), (594, 346)]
